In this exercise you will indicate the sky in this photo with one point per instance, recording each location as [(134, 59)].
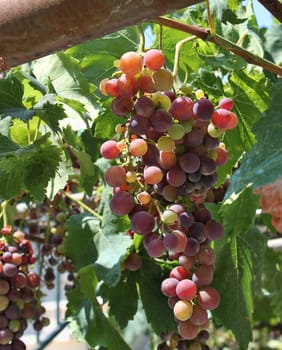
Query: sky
[(264, 17)]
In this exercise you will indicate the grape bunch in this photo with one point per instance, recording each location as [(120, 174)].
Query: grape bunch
[(164, 160), (19, 290), (45, 224), (271, 202)]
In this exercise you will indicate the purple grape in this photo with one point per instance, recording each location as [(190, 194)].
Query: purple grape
[(139, 125), (203, 109), (142, 222), (189, 162), (161, 120)]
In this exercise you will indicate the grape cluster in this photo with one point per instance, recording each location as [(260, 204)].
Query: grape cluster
[(164, 160), (271, 202), (46, 225), (19, 290)]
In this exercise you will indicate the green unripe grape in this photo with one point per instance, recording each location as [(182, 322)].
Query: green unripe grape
[(213, 131), (187, 89), (14, 325), (166, 143), (169, 217), (4, 302), (176, 131), (187, 125), (161, 101)]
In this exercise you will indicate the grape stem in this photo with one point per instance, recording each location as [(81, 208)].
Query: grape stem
[(211, 24), (141, 47), (178, 48), (83, 205), (4, 213), (205, 34)]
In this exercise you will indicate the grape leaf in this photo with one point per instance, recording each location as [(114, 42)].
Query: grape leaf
[(88, 171), (111, 249), (238, 260), (63, 73), (230, 16), (262, 164), (7, 146), (50, 111), (88, 321), (79, 243), (250, 99), (273, 42), (155, 304), (11, 92), (29, 169), (123, 298)]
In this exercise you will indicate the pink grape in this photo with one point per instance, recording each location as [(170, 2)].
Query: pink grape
[(187, 330), (192, 247), (109, 149), (182, 108), (115, 176), (154, 59), (131, 63), (121, 106), (187, 262), (138, 147), (186, 289), (189, 162), (133, 262), (179, 272), (167, 159), (203, 276), (199, 316), (142, 222), (206, 255), (226, 103), (214, 230), (155, 248), (153, 175), (203, 109), (176, 177), (161, 120), (168, 286), (122, 203), (144, 106), (175, 241), (208, 298)]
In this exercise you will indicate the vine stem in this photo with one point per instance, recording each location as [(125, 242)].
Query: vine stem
[(83, 205), (178, 48), (4, 205), (141, 47), (205, 34), (211, 24)]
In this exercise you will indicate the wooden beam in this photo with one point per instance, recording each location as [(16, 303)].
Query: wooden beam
[(34, 28)]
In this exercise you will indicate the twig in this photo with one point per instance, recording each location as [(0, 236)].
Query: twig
[(205, 34), (178, 48), (211, 24), (83, 205)]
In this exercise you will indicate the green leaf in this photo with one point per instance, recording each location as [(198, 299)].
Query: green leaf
[(157, 311), (106, 122), (123, 298), (79, 243), (273, 42), (29, 169), (238, 260), (7, 146), (50, 111), (111, 249), (57, 183), (262, 164), (250, 99), (231, 17), (63, 73), (88, 171), (11, 92), (88, 321)]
